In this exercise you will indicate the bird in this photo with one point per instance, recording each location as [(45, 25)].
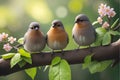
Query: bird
[(57, 37), (34, 39), (83, 32)]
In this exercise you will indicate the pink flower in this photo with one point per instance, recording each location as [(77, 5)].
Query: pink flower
[(4, 36), (99, 19), (102, 6), (102, 12), (105, 25), (11, 39), (102, 9), (112, 14), (7, 47), (106, 10)]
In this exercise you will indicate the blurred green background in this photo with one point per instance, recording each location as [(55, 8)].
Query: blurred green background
[(16, 15)]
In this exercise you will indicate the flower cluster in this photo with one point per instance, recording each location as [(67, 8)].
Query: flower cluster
[(103, 11), (7, 40), (3, 36), (7, 47)]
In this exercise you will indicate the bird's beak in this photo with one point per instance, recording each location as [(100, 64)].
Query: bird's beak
[(36, 28)]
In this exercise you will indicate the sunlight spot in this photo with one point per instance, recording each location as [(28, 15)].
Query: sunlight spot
[(5, 16), (39, 11), (75, 6), (61, 12)]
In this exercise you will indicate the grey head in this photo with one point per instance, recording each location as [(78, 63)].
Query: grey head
[(81, 18), (57, 23), (34, 26)]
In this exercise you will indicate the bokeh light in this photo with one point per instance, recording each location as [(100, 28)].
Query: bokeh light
[(5, 16), (61, 12), (39, 11), (75, 6)]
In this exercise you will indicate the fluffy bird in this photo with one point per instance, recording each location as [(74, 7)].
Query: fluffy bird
[(57, 38), (83, 31), (34, 39)]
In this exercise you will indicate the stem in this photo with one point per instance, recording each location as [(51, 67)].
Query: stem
[(109, 20)]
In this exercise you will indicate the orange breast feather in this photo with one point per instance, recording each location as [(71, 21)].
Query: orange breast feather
[(81, 25), (57, 34)]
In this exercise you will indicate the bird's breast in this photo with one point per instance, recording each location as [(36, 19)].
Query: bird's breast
[(34, 37), (57, 35), (57, 38), (83, 36)]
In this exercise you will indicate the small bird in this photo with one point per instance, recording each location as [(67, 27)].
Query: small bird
[(34, 39), (57, 38), (83, 31)]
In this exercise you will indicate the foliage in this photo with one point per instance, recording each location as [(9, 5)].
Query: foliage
[(95, 66), (20, 58), (103, 37), (21, 40), (31, 72), (8, 55), (59, 70), (104, 34)]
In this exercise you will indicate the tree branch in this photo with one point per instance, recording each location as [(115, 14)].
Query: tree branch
[(101, 53)]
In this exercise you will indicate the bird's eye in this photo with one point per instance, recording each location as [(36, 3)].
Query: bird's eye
[(81, 20), (32, 28), (58, 25)]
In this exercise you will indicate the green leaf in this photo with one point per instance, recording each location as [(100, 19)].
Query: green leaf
[(95, 22), (28, 60), (54, 72), (24, 53), (106, 39), (99, 66), (60, 71), (21, 40), (65, 70), (87, 61), (56, 60), (113, 25), (88, 58), (31, 72), (22, 63), (100, 31), (15, 59), (98, 41), (114, 32), (8, 55)]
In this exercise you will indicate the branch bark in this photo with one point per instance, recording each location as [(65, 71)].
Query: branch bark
[(101, 53)]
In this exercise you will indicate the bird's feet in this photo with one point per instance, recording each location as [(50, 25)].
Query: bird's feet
[(78, 48), (62, 52), (52, 53)]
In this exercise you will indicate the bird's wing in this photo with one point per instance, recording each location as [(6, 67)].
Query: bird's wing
[(67, 39), (94, 32), (24, 39), (72, 32), (72, 35), (46, 37)]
